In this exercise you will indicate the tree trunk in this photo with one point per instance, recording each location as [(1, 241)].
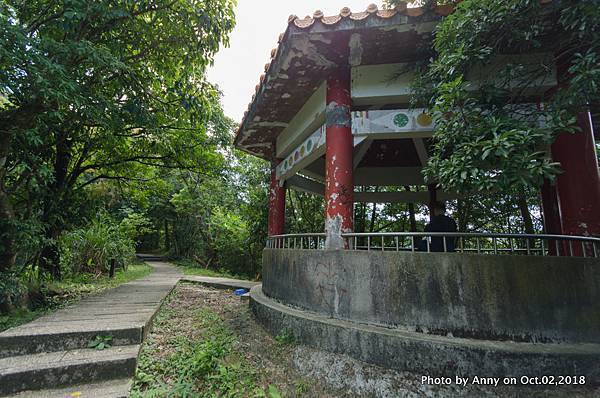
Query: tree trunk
[(167, 237), (50, 255), (462, 210), (55, 205), (411, 213), (525, 214), (8, 254)]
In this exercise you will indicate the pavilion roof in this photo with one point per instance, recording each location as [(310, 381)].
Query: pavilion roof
[(310, 48)]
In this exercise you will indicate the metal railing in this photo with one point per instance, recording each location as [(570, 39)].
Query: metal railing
[(297, 241), (485, 243)]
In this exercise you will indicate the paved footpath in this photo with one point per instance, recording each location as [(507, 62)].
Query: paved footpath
[(49, 356), (51, 352)]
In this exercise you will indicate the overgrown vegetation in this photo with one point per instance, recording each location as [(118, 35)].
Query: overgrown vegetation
[(205, 343), (95, 247), (204, 366)]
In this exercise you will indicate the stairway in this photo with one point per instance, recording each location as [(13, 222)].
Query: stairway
[(39, 358)]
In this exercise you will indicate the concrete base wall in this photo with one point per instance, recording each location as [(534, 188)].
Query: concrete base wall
[(521, 298), (426, 354)]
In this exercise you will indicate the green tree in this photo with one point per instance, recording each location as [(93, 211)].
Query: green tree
[(489, 138), (101, 90)]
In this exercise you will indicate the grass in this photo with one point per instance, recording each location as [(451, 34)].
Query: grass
[(205, 342), (58, 294), (208, 366), (192, 268)]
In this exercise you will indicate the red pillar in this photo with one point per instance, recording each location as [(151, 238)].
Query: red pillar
[(276, 223), (339, 145), (578, 187)]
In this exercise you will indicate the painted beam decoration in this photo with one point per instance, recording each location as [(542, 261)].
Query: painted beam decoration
[(391, 121), (309, 146), (363, 123)]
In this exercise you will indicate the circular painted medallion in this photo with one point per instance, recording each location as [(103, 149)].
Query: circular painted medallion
[(424, 120), (401, 120)]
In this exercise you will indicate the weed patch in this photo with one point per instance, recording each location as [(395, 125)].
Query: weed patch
[(206, 343), (204, 367), (100, 342)]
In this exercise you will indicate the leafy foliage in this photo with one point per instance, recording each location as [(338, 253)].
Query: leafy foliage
[(217, 221), (13, 290), (92, 248), (488, 138), (96, 91), (285, 336), (100, 342)]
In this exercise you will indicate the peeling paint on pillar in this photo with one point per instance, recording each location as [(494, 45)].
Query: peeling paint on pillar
[(337, 115), (276, 222), (339, 184)]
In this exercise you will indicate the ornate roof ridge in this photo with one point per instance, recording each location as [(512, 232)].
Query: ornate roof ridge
[(345, 13), (372, 9)]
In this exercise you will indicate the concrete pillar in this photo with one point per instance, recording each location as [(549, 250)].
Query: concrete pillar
[(578, 187), (339, 145), (276, 223)]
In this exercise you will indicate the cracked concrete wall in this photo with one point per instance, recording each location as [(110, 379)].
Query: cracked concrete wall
[(521, 298)]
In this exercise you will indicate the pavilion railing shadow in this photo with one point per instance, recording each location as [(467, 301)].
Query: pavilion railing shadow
[(483, 243)]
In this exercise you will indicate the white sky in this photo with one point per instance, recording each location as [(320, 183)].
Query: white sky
[(259, 23)]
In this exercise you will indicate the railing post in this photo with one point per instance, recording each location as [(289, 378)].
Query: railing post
[(543, 247)]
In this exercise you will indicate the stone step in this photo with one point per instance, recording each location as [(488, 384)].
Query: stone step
[(66, 368), (124, 312), (106, 389), (73, 335)]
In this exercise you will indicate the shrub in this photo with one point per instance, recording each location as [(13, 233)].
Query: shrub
[(91, 248), (11, 291)]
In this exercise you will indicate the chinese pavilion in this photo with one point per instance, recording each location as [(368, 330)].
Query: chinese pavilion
[(331, 112)]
